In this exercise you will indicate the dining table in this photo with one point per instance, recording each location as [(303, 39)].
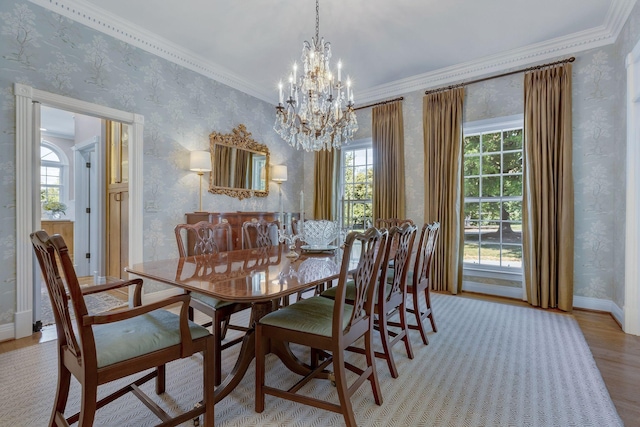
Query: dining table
[(261, 277)]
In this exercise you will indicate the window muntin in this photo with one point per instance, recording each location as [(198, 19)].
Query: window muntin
[(357, 186), (493, 194), (51, 175)]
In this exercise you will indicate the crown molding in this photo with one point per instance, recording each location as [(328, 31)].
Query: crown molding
[(120, 29), (536, 53)]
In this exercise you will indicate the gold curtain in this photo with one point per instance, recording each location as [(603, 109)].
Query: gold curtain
[(221, 175), (323, 173), (387, 131), (443, 196), (548, 188), (243, 168)]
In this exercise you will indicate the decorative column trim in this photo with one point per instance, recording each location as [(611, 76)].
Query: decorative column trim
[(24, 203)]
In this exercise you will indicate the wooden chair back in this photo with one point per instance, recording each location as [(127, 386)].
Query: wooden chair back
[(424, 255), (203, 238), (392, 222), (259, 233), (364, 276), (46, 248), (399, 249)]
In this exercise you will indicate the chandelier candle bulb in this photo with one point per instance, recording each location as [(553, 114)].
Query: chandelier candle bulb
[(280, 90)]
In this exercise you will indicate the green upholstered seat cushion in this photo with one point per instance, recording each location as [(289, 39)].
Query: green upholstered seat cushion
[(350, 292), (210, 301), (158, 329), (312, 315)]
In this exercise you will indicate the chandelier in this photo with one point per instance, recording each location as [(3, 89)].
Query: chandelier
[(313, 116)]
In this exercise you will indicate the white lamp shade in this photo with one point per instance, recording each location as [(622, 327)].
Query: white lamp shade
[(279, 173), (200, 161)]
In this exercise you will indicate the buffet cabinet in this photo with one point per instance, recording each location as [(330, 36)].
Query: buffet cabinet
[(236, 219)]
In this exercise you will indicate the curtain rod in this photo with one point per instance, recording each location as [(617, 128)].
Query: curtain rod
[(379, 103), (537, 67)]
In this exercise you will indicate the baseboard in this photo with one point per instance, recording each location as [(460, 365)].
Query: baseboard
[(23, 324), (587, 303), (495, 290), (7, 332)]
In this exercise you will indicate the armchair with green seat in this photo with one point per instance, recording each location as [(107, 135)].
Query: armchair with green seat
[(96, 350)]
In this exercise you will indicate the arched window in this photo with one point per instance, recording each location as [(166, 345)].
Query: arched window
[(52, 174)]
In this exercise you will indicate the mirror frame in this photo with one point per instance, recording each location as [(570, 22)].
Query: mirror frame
[(238, 138)]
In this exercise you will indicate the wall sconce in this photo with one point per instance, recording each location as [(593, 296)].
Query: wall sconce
[(200, 162), (279, 175)]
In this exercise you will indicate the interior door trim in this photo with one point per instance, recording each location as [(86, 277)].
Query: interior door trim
[(27, 139)]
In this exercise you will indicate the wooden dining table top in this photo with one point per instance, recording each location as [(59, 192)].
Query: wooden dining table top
[(247, 275)]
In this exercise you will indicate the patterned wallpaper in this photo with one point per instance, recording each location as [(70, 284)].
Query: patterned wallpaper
[(55, 54)]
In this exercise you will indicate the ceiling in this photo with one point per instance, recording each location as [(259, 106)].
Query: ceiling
[(386, 47), (58, 123)]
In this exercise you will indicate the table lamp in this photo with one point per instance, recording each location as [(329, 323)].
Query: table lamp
[(200, 162), (279, 175)]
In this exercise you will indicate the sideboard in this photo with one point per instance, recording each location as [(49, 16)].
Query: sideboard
[(236, 219)]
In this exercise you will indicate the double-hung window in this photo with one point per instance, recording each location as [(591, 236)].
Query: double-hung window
[(356, 176), (492, 151), (52, 176)]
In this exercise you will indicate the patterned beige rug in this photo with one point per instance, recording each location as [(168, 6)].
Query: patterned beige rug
[(489, 365)]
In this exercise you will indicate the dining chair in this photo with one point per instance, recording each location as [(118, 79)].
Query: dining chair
[(208, 238), (391, 296), (328, 327), (95, 351), (259, 233), (419, 282)]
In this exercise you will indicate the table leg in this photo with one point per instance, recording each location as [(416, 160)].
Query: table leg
[(247, 352)]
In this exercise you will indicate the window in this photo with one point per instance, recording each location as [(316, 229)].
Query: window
[(493, 194), (51, 174), (357, 186)]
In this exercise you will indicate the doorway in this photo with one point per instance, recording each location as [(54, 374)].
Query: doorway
[(74, 169), (27, 104)]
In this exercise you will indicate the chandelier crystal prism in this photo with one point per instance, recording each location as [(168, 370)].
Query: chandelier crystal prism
[(318, 113)]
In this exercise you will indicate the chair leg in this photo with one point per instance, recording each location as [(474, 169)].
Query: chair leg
[(209, 399), (342, 389), (161, 379), (62, 393), (427, 297), (261, 344), (416, 311), (371, 364), (386, 346), (190, 313), (405, 328), (88, 402)]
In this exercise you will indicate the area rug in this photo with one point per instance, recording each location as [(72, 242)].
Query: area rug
[(489, 364), (96, 303)]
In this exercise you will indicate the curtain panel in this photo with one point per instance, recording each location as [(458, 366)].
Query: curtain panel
[(324, 184), (443, 195), (547, 236), (387, 132)]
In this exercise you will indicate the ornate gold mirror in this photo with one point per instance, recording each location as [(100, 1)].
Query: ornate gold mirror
[(239, 165)]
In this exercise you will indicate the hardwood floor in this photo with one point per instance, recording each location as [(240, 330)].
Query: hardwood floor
[(617, 355)]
